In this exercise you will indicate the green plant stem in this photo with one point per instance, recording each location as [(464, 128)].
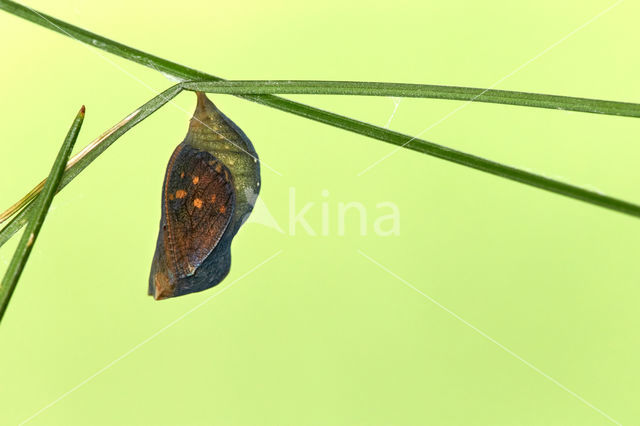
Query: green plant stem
[(36, 219), (97, 147), (185, 73), (471, 94)]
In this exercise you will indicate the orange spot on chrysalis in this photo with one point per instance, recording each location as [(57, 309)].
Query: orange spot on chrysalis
[(182, 174), (171, 196), (181, 193), (213, 198), (218, 167), (196, 179), (198, 203), (223, 209)]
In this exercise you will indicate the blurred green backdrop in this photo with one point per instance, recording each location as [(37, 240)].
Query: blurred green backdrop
[(320, 334)]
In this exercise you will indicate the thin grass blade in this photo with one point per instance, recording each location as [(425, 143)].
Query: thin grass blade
[(470, 94), (454, 156), (36, 219)]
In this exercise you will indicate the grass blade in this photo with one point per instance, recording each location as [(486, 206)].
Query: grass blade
[(568, 103), (454, 156), (471, 94), (320, 87), (36, 220), (375, 132), (79, 162)]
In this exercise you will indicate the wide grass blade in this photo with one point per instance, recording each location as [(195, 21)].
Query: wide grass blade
[(81, 160), (470, 94), (184, 73), (36, 219)]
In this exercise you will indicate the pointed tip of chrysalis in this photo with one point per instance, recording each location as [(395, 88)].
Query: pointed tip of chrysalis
[(82, 110)]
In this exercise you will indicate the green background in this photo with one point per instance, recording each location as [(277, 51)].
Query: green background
[(319, 334)]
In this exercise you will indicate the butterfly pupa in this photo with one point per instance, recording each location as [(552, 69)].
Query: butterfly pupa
[(210, 187)]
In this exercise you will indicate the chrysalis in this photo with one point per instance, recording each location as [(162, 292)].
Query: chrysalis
[(210, 187)]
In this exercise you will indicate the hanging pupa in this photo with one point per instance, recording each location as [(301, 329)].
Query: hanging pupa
[(210, 187)]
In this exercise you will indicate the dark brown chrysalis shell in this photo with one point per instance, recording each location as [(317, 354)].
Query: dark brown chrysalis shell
[(210, 187)]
